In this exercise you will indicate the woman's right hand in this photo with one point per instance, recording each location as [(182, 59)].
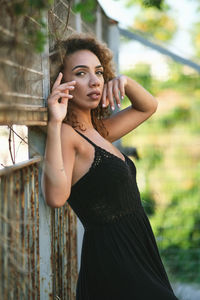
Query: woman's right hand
[(58, 109)]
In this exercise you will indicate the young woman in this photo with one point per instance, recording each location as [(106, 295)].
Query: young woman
[(120, 258)]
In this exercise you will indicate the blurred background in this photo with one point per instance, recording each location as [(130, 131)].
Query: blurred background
[(168, 144)]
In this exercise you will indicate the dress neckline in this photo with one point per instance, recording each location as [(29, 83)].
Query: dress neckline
[(95, 145), (98, 149)]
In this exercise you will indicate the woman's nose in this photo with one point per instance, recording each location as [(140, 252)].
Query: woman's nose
[(94, 80)]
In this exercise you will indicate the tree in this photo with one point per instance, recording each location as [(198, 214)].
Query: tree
[(196, 38), (156, 23), (148, 3)]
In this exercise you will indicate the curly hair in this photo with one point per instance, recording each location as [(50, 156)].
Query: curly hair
[(67, 47)]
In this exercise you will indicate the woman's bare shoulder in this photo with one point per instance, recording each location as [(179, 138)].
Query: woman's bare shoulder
[(69, 136)]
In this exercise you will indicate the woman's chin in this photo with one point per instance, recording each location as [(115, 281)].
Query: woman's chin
[(85, 106), (92, 105), (95, 106)]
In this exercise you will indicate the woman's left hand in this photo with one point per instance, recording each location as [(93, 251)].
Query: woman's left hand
[(114, 88)]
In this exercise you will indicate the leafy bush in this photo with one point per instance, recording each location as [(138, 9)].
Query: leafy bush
[(148, 202), (177, 229), (169, 169), (178, 114)]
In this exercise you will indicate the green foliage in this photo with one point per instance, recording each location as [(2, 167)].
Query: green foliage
[(169, 169), (182, 263), (21, 7), (152, 157), (155, 23), (181, 78), (87, 10), (182, 209), (148, 201), (178, 114), (155, 3), (178, 233), (20, 12), (196, 38), (142, 74), (148, 3), (39, 40), (153, 19)]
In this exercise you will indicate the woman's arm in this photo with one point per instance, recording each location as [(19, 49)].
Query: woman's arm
[(60, 149), (58, 166), (143, 106)]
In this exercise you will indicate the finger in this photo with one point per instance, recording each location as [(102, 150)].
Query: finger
[(104, 96), (116, 92), (110, 94), (58, 81), (53, 99), (121, 88), (65, 97), (107, 101), (57, 96), (67, 84), (63, 85), (61, 89), (64, 100)]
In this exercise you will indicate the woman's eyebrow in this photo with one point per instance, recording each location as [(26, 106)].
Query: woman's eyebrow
[(86, 67), (99, 66), (80, 66)]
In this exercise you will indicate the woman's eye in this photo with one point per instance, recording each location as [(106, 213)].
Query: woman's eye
[(100, 72), (80, 73)]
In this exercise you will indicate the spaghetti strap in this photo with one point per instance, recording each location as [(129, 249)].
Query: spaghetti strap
[(85, 137)]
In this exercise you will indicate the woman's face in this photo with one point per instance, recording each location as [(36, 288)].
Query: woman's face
[(84, 67)]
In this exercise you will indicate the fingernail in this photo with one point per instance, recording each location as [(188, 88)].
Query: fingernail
[(119, 105), (103, 105), (112, 107), (122, 97)]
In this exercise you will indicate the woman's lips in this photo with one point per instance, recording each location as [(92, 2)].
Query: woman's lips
[(94, 95)]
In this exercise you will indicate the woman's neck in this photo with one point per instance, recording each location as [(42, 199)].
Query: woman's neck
[(83, 118)]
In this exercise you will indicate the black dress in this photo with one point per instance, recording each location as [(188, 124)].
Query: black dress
[(120, 258)]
